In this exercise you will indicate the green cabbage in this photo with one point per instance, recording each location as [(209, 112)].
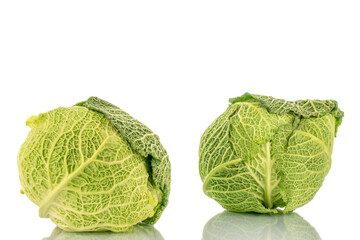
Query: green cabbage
[(263, 153), (93, 167)]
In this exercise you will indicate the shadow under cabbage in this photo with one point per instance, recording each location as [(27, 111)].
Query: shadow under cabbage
[(139, 232), (245, 226)]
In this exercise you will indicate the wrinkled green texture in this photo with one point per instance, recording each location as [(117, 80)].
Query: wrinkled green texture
[(263, 153), (93, 167), (234, 226)]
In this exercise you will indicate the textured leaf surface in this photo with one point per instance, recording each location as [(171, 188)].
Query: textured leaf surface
[(143, 141), (83, 174), (234, 226), (263, 153)]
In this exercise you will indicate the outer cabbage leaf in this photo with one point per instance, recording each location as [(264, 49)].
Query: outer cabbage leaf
[(84, 175), (144, 142), (263, 153)]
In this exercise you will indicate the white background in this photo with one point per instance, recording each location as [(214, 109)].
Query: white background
[(173, 65)]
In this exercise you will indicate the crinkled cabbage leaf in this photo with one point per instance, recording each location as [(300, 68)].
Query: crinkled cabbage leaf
[(93, 167), (264, 153)]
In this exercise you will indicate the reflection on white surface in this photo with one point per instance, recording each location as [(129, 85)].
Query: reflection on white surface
[(140, 232), (246, 226)]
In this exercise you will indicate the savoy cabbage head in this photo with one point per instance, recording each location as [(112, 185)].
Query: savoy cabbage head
[(93, 167), (263, 153)]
